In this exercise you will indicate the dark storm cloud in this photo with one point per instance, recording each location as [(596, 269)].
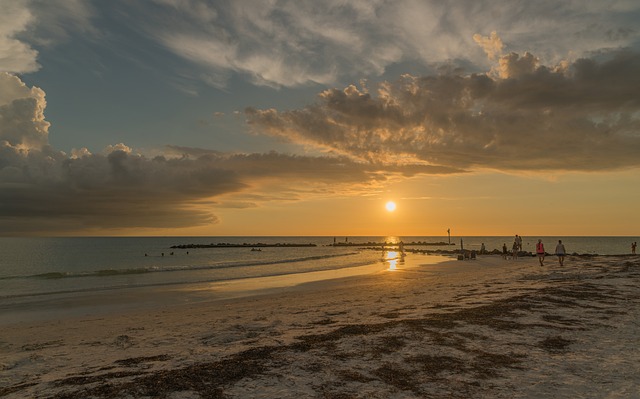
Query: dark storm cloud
[(124, 190)]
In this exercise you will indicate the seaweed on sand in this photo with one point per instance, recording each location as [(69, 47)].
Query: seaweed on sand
[(395, 375), (207, 379), (555, 344)]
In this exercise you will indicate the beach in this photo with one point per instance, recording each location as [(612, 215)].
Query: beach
[(483, 328)]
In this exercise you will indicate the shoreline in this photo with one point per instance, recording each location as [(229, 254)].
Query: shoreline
[(115, 300), (482, 328)]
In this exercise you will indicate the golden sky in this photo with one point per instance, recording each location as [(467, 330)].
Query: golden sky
[(303, 119)]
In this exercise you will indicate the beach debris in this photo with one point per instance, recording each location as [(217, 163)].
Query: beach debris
[(123, 341)]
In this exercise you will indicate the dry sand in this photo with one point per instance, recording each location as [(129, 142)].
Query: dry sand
[(485, 328)]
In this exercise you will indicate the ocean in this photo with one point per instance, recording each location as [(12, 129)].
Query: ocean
[(32, 270)]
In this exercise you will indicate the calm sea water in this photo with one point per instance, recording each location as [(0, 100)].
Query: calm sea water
[(37, 267)]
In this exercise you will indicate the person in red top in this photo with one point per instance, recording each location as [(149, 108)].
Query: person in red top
[(540, 251)]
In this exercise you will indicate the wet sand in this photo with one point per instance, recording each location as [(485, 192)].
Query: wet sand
[(484, 328)]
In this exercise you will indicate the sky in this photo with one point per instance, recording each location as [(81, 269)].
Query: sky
[(216, 118)]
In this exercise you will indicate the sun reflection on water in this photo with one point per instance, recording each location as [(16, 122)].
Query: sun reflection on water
[(391, 240), (393, 258)]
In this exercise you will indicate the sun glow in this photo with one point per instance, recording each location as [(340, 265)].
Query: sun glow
[(391, 206)]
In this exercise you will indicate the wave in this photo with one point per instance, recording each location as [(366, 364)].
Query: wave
[(56, 275), (51, 276), (272, 273)]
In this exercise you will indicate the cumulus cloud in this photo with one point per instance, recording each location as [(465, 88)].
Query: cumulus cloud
[(515, 66), (492, 45), (580, 117), (22, 122)]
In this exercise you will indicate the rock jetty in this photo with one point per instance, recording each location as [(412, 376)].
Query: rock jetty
[(243, 245)]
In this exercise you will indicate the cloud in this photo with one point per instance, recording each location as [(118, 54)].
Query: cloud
[(122, 190), (292, 42), (582, 116), (57, 20), (119, 190), (45, 191), (515, 66), (25, 24), (492, 45), (15, 55), (22, 122)]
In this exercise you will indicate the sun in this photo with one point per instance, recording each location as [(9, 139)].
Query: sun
[(391, 206)]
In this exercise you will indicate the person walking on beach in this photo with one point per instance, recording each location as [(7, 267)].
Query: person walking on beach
[(560, 251), (514, 250), (504, 251), (633, 247), (540, 252)]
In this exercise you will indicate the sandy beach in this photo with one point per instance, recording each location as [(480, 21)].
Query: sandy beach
[(484, 328)]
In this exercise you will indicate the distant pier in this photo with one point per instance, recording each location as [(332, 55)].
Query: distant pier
[(301, 245), (389, 244), (243, 245)]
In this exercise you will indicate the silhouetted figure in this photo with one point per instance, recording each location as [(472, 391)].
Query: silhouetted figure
[(560, 251)]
